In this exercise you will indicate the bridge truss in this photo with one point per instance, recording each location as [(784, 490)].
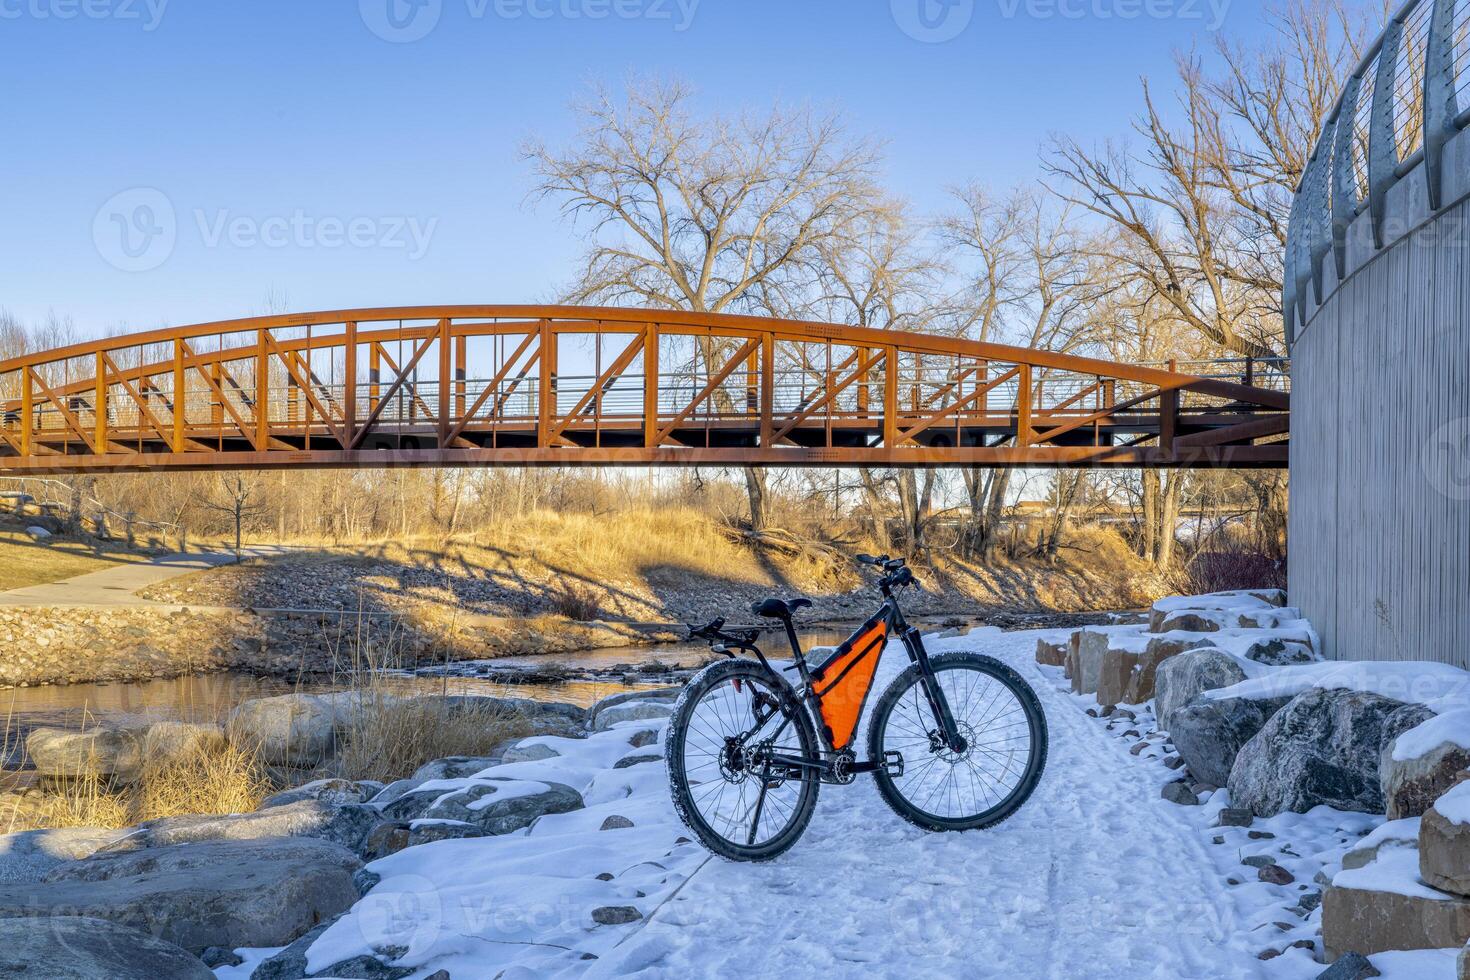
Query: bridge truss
[(487, 385)]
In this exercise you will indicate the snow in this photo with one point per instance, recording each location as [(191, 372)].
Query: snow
[(1450, 728), (1239, 601), (1454, 806), (1404, 831), (1441, 687), (1416, 964), (1095, 876), (1395, 870)]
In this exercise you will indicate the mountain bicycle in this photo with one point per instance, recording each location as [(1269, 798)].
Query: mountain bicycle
[(956, 742)]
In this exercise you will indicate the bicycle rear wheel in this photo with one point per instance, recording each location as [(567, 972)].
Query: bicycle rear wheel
[(729, 729), (1005, 752)]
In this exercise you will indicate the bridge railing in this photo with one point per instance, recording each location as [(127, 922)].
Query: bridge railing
[(1407, 97)]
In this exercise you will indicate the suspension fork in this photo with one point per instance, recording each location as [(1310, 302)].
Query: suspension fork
[(938, 703)]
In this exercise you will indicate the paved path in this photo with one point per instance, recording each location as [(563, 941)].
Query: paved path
[(116, 586)]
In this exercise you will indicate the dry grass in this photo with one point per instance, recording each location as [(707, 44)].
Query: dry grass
[(24, 563), (391, 737), (207, 777)]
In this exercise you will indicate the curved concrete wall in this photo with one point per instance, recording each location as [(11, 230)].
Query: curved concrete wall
[(1378, 301)]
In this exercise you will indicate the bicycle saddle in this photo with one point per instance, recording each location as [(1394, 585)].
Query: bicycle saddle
[(774, 608)]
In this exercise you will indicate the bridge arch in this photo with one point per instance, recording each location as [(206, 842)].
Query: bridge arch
[(488, 385)]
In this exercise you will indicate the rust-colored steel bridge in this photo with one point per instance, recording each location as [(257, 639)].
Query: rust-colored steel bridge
[(483, 385)]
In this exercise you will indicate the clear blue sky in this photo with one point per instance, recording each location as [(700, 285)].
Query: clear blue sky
[(270, 109)]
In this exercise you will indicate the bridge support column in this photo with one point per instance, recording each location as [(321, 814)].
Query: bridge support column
[(349, 382), (650, 388), (99, 405)]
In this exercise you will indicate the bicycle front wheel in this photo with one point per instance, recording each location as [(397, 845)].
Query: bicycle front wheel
[(1004, 729), (734, 734)]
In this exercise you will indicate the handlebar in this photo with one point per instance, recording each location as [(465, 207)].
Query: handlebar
[(898, 574)]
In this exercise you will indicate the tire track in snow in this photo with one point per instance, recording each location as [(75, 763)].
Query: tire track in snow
[(1095, 876)]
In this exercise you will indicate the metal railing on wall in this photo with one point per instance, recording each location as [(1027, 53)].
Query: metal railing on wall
[(1399, 107)]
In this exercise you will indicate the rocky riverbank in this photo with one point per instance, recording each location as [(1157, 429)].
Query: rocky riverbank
[(71, 645)]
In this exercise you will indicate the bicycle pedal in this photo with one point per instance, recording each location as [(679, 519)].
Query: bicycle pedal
[(893, 764)]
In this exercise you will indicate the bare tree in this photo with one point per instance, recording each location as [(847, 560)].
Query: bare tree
[(702, 212), (232, 494)]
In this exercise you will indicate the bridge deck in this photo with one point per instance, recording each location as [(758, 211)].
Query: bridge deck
[(464, 386)]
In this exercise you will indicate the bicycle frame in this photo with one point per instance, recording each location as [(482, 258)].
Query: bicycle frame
[(838, 763)]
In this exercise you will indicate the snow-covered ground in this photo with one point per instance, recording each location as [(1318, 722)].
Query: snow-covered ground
[(1095, 876)]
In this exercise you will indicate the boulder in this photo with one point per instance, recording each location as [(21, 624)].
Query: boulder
[(332, 792), (1188, 621), (395, 790), (1092, 644), (1208, 733), (1368, 920), (111, 753), (1463, 968), (177, 738), (37, 533), (631, 711), (30, 854), (84, 948), (428, 831), (1395, 833), (1323, 747), (1183, 678), (668, 694), (1276, 652), (347, 825), (217, 893), (1415, 770), (1115, 676), (1052, 653), (290, 963), (638, 759), (532, 752), (499, 806), (543, 717), (455, 767), (287, 730), (1444, 843)]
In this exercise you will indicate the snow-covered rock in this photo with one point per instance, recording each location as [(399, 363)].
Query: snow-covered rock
[(37, 533), (1444, 842), (529, 750), (454, 767), (1384, 906), (660, 694), (1183, 678), (499, 806), (631, 711), (1323, 747), (1424, 761)]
